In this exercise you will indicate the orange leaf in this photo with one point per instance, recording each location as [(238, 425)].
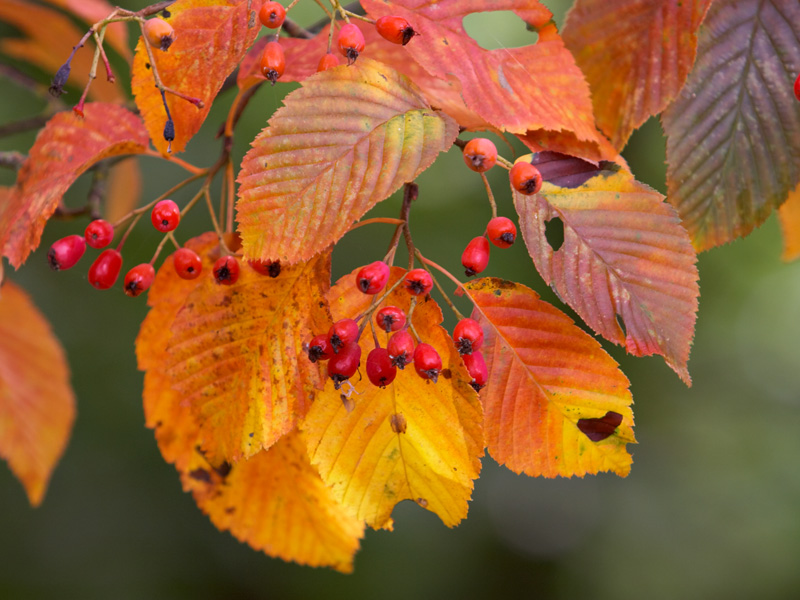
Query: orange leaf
[(91, 11), (625, 261), (211, 37), (48, 38), (636, 56), (789, 216), (124, 189), (66, 147), (552, 389), (37, 406), (344, 141), (372, 464)]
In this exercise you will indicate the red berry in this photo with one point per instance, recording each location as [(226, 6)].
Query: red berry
[(266, 267), (187, 264), (373, 278), (138, 279), (476, 367), (418, 282), (351, 42), (226, 270), (380, 370), (343, 365), (480, 154), (525, 178), (159, 33), (797, 88), (319, 348), (395, 29), (401, 348), (66, 252), (105, 269), (99, 233), (344, 331), (427, 362), (501, 231), (390, 318), (272, 14), (476, 256), (165, 216), (273, 61), (468, 336), (328, 61)]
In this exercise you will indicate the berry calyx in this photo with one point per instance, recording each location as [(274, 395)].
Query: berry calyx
[(476, 256), (401, 348), (390, 318), (99, 233), (468, 336), (380, 370), (525, 178), (138, 279), (502, 232), (266, 267), (341, 333), (159, 33), (372, 278), (427, 362), (395, 29), (342, 366), (319, 348), (272, 15), (105, 269), (418, 282), (187, 263), (226, 270), (350, 42), (476, 367), (328, 61), (273, 62), (480, 154), (66, 252), (165, 216)]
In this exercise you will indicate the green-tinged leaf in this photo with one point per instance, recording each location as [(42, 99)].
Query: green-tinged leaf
[(344, 141), (636, 56), (555, 404), (733, 135)]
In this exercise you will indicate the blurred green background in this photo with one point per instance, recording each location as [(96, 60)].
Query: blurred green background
[(710, 510)]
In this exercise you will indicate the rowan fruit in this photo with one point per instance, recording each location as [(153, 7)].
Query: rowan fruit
[(226, 270), (390, 318), (105, 269), (187, 264), (476, 256), (99, 233), (525, 178), (272, 15), (159, 33), (480, 154), (328, 61), (165, 216), (395, 29), (344, 331), (342, 366), (476, 367), (266, 267), (66, 252), (319, 348), (138, 279), (427, 362), (418, 282), (501, 232), (350, 42), (401, 348), (372, 278), (273, 62), (468, 336), (380, 370)]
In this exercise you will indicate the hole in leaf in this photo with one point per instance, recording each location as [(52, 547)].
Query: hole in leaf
[(599, 429), (498, 29), (554, 233), (621, 323)]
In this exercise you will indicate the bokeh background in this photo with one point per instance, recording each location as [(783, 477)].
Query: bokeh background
[(710, 510)]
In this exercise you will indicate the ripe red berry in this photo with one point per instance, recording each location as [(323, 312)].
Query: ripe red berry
[(525, 178), (273, 61), (187, 264), (501, 231), (66, 252), (480, 154), (372, 278), (226, 270), (476, 256), (418, 282), (99, 233), (343, 365), (165, 216), (380, 370), (390, 318), (328, 61), (138, 279), (401, 348), (272, 15), (344, 331), (797, 88), (476, 367), (159, 33), (395, 29), (351, 42), (105, 269), (427, 362), (319, 348), (468, 336), (266, 267)]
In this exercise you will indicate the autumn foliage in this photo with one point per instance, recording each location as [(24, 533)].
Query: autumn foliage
[(272, 448)]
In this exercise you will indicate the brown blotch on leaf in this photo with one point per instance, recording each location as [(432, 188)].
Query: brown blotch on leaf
[(230, 510), (347, 402), (224, 469), (599, 429), (398, 423), (200, 475)]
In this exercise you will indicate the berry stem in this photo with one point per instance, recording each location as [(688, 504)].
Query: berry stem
[(98, 38), (410, 193), (439, 287), (324, 8), (195, 171), (161, 245), (489, 193), (136, 213), (389, 220), (231, 181), (332, 16), (214, 221)]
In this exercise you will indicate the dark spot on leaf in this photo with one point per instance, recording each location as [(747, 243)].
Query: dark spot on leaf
[(251, 434), (398, 423), (230, 510), (445, 42), (554, 233), (146, 65), (599, 429), (200, 475), (224, 469), (447, 373), (384, 76), (498, 293)]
